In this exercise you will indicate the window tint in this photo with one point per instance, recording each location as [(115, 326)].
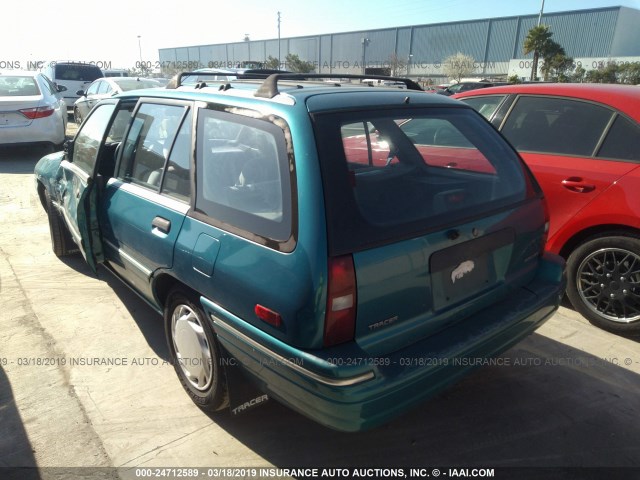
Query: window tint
[(120, 123), (486, 105), (88, 140), (386, 176), (50, 86), (555, 125), (104, 87), (243, 174), (76, 71), (622, 142), (176, 179), (93, 88), (148, 143)]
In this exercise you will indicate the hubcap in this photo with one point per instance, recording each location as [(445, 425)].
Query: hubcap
[(608, 281), (192, 347)]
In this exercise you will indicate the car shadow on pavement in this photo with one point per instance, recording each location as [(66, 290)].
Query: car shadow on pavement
[(16, 452), (18, 164), (629, 336), (148, 320), (545, 405)]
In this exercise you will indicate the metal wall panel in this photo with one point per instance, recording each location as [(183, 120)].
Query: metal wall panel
[(307, 48), (325, 54), (271, 49), (582, 34), (627, 35), (404, 42), (502, 34), (434, 43), (492, 42), (381, 46)]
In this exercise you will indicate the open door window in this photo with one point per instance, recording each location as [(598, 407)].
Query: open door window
[(79, 195)]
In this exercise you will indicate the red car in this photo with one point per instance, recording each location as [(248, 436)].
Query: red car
[(582, 142)]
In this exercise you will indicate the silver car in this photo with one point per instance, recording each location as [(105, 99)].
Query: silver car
[(107, 87), (32, 110)]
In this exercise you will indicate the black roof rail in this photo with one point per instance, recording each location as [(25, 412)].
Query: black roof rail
[(250, 73), (269, 87)]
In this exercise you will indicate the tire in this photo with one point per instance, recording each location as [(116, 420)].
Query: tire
[(195, 352), (61, 242), (603, 281)]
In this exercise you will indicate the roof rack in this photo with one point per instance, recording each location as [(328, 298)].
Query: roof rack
[(269, 87), (250, 73)]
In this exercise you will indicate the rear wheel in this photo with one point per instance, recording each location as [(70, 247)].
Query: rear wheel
[(61, 242), (195, 352), (604, 282)]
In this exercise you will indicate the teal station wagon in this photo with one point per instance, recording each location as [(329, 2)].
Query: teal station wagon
[(345, 250)]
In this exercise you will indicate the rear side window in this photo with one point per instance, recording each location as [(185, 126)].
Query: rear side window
[(394, 174), (556, 125), (77, 72), (244, 178), (622, 142), (149, 142), (485, 105), (93, 88)]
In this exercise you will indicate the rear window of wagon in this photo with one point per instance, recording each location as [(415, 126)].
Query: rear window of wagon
[(395, 174)]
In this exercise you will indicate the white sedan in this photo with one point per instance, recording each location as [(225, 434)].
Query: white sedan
[(31, 110)]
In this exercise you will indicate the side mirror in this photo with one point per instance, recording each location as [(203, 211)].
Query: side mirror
[(61, 88), (80, 92)]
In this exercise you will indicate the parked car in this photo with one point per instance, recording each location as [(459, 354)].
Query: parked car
[(582, 142), (73, 76), (466, 86), (282, 258), (31, 109), (116, 72), (107, 87)]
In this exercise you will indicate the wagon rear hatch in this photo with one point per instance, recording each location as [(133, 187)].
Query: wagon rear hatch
[(437, 216)]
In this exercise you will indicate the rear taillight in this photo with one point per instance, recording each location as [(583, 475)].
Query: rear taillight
[(37, 112), (340, 319)]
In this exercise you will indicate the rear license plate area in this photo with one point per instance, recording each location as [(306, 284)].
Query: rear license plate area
[(468, 269)]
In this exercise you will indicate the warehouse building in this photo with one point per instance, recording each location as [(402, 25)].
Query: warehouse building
[(592, 37)]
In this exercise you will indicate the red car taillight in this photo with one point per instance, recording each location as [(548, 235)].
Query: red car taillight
[(340, 318), (37, 112)]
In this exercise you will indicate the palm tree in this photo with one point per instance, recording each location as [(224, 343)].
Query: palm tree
[(536, 42)]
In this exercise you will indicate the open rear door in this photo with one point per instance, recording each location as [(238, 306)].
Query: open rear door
[(78, 192)]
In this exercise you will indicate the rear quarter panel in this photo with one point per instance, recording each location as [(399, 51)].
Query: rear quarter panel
[(618, 206)]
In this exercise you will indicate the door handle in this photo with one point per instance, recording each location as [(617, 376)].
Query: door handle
[(162, 224), (576, 184)]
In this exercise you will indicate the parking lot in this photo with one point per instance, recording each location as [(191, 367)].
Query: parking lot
[(85, 382)]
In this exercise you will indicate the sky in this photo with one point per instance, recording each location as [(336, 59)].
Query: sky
[(122, 32)]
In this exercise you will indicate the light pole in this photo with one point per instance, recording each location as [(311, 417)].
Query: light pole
[(140, 49), (365, 42), (540, 16), (279, 59)]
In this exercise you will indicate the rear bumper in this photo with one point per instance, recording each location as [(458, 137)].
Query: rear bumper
[(350, 392), (42, 130)]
